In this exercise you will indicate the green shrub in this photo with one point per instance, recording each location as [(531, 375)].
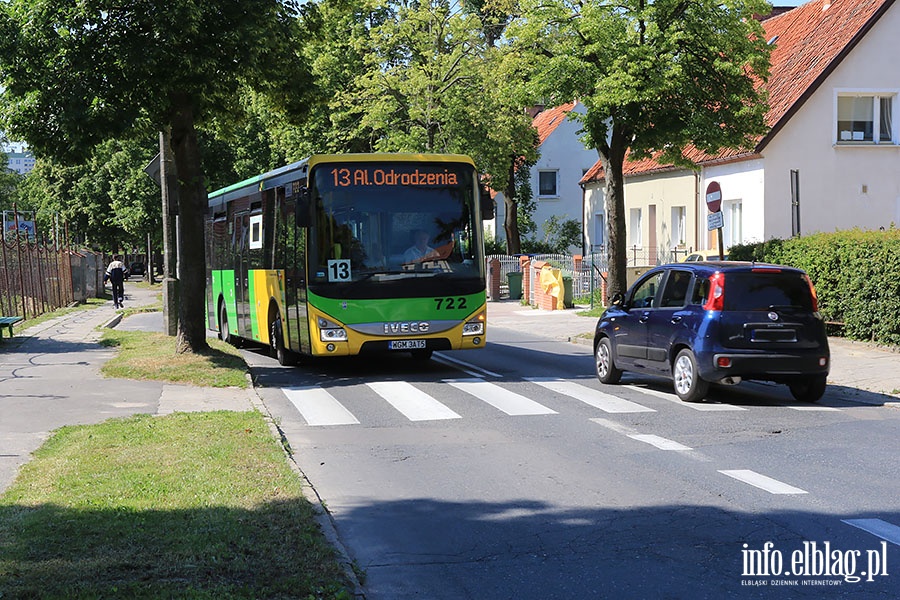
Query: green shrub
[(856, 274)]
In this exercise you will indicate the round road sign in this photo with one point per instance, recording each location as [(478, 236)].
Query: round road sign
[(714, 197)]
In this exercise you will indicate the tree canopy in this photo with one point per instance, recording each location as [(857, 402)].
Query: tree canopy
[(655, 77), (78, 72), (257, 83)]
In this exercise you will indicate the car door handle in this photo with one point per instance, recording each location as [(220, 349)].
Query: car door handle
[(676, 319), (644, 318)]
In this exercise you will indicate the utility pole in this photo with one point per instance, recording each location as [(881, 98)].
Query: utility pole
[(169, 184), (162, 170)]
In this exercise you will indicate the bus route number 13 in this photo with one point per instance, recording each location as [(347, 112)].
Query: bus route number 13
[(339, 270)]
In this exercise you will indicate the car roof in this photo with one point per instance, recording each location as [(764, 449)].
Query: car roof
[(711, 266)]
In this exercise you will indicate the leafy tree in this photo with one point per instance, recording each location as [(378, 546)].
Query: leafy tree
[(77, 72), (108, 201), (9, 183), (338, 40), (654, 75), (559, 235), (79, 196), (429, 80)]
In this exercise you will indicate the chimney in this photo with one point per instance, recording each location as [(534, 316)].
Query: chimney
[(534, 110)]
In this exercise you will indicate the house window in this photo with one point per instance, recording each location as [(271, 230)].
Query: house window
[(599, 238), (634, 228), (865, 119), (679, 225), (547, 184), (733, 232)]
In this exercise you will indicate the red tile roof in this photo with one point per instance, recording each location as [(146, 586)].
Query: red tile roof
[(809, 43), (548, 120)]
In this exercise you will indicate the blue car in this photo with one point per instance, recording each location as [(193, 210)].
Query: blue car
[(717, 322)]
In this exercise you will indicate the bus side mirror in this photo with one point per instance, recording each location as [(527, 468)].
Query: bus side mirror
[(302, 211), (488, 204)]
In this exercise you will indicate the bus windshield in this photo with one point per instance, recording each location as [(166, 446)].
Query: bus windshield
[(386, 225)]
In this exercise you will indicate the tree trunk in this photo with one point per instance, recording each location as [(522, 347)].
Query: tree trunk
[(511, 213), (191, 336), (613, 159)]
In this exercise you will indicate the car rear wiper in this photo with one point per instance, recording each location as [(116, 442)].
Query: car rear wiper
[(788, 307)]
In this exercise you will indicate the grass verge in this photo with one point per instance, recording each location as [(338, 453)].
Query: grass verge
[(143, 355), (191, 505)]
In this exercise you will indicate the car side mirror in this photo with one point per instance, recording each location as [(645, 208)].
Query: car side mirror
[(618, 300), (302, 211)]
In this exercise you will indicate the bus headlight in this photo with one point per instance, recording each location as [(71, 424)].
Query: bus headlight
[(475, 326), (329, 331)]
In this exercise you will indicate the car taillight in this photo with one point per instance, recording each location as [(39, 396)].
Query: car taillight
[(716, 298), (812, 292)]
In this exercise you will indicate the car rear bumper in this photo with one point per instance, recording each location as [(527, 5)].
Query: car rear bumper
[(765, 366)]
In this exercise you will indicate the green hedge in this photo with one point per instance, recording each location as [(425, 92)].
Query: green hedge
[(856, 275)]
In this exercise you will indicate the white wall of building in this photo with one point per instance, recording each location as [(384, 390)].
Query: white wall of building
[(743, 205), (594, 218), (563, 154), (841, 186)]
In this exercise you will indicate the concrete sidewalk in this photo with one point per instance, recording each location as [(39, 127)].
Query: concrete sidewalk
[(50, 377)]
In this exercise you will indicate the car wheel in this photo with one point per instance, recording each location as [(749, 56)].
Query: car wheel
[(808, 389), (603, 360), (688, 384), (276, 344)]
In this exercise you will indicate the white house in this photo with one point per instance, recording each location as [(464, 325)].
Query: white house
[(19, 158), (563, 161), (831, 158)]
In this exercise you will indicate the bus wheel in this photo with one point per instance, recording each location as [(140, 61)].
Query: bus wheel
[(224, 330), (422, 354), (276, 344)]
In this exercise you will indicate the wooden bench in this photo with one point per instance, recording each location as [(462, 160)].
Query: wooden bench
[(8, 322)]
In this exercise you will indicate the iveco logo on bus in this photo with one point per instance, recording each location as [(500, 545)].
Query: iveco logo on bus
[(406, 327)]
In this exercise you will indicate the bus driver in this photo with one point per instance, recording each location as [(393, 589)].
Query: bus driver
[(420, 250)]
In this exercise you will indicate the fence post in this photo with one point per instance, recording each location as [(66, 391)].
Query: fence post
[(494, 279), (525, 267)]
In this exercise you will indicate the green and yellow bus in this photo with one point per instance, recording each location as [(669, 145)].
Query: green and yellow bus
[(339, 255)]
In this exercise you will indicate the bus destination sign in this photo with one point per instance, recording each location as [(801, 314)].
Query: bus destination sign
[(368, 176)]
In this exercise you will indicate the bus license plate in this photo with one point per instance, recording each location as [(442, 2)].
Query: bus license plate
[(407, 344)]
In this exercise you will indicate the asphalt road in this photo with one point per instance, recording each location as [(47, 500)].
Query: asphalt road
[(513, 473)]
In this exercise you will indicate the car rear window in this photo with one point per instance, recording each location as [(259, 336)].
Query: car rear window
[(763, 291)]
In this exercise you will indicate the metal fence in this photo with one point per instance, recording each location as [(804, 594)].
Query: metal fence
[(37, 277), (588, 276)]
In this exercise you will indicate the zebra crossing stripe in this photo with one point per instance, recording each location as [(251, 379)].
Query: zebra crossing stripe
[(318, 407), (659, 442), (500, 398), (597, 399), (877, 527), (701, 406), (415, 405), (773, 486)]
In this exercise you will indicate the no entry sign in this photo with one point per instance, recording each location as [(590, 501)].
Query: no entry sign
[(714, 197)]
